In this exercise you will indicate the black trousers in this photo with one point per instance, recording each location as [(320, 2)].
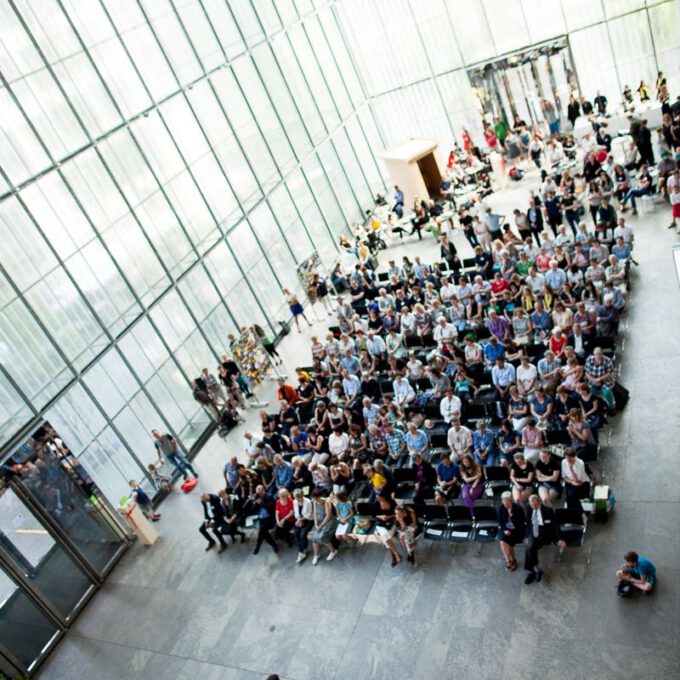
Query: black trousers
[(265, 526), (216, 533), (531, 556), (574, 494)]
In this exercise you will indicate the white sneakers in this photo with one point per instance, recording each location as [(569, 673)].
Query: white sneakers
[(331, 556), (301, 558), (315, 561)]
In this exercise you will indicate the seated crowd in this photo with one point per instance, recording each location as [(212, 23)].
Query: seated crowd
[(439, 381)]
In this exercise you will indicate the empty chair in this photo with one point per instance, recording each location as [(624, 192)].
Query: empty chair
[(435, 522), (497, 480), (383, 277), (367, 509), (405, 481), (572, 526), (485, 525), (557, 437), (460, 524), (412, 341)]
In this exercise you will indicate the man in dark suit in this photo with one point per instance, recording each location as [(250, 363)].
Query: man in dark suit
[(213, 513), (542, 530)]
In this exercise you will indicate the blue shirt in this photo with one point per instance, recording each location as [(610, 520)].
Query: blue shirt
[(283, 474), (416, 441), (482, 440), (645, 569), (350, 363), (555, 279), (447, 472), (541, 321), (491, 352)]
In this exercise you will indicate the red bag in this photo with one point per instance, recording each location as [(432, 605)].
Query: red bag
[(188, 485)]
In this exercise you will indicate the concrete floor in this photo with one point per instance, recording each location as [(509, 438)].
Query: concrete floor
[(173, 611)]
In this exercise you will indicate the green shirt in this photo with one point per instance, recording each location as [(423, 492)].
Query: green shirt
[(501, 130), (523, 267)]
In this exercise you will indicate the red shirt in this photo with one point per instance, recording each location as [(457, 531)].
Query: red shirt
[(283, 510), (557, 344), (499, 285), (490, 137), (467, 141)]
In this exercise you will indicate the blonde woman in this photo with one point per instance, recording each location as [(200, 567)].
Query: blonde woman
[(324, 526)]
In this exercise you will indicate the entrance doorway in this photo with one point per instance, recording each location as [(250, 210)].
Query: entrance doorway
[(58, 540)]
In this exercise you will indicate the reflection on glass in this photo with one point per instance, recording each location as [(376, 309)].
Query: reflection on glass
[(45, 467)]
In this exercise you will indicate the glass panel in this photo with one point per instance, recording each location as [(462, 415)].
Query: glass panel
[(64, 489), (33, 551), (579, 13), (473, 34), (506, 21), (24, 629)]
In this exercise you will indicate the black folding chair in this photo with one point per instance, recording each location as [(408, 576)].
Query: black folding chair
[(435, 522), (572, 526), (497, 480), (460, 524), (485, 524), (405, 481)]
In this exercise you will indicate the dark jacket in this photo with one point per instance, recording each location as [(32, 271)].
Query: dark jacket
[(549, 532), (538, 224), (213, 509), (519, 521)]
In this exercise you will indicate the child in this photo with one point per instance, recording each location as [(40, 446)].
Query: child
[(675, 203), (141, 498), (161, 481)]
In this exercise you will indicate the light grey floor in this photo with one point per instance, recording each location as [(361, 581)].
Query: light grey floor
[(173, 611)]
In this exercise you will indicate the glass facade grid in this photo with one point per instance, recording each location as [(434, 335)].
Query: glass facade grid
[(164, 167), (612, 44)]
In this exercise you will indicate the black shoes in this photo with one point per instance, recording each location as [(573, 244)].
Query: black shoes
[(210, 546), (534, 576), (222, 548)]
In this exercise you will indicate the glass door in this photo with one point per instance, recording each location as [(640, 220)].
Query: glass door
[(27, 633), (31, 553), (53, 482)]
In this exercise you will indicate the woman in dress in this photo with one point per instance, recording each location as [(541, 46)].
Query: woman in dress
[(511, 528), (296, 308), (324, 526), (522, 476), (344, 509)]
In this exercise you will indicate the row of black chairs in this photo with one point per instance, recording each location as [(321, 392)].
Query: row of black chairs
[(455, 524)]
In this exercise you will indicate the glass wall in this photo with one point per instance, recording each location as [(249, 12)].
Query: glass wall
[(413, 56), (164, 166)]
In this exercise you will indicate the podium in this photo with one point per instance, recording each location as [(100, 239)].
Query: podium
[(141, 526)]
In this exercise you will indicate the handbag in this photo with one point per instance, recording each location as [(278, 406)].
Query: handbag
[(188, 485)]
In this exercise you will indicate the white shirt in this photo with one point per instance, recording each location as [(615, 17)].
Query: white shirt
[(249, 446), (338, 443), (402, 391), (536, 282), (450, 408), (626, 233), (459, 442), (526, 377), (444, 334), (408, 322), (447, 292), (304, 511), (578, 472), (376, 346)]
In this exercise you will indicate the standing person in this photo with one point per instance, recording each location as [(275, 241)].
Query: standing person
[(263, 504), (501, 130), (551, 116), (638, 572), (268, 345), (296, 308), (643, 140), (490, 137), (213, 514), (166, 445), (142, 499), (385, 527), (234, 372), (675, 204), (600, 102), (202, 396), (511, 528), (573, 110), (542, 529)]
